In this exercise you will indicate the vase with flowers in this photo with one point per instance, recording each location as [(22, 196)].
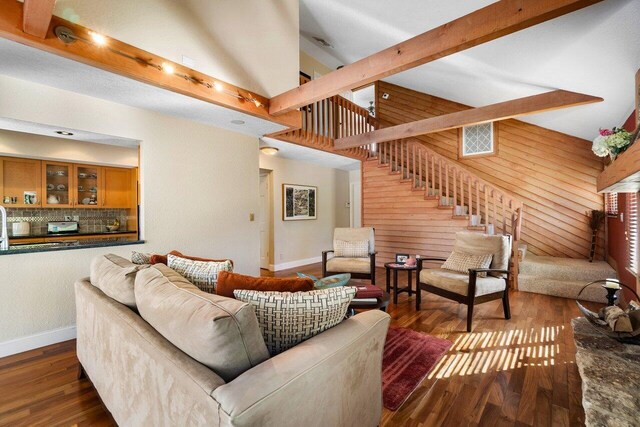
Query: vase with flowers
[(611, 142)]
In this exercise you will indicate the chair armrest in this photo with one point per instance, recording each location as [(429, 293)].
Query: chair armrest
[(475, 271), (330, 251), (278, 391), (421, 259)]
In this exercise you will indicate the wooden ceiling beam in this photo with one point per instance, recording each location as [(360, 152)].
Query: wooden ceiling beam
[(106, 58), (36, 17), (504, 110), (489, 23)]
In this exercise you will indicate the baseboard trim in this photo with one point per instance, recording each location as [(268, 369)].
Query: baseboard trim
[(294, 264), (42, 339)]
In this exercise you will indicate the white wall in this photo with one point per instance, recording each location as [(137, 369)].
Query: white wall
[(199, 185), (18, 144), (355, 186), (298, 243), (249, 43)]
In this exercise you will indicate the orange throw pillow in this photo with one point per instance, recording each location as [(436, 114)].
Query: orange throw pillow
[(229, 282), (162, 259)]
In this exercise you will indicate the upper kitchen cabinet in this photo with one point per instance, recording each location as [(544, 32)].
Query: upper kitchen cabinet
[(89, 186), (20, 182), (119, 188), (57, 184)]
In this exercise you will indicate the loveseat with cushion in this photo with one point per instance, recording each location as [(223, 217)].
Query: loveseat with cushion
[(171, 355)]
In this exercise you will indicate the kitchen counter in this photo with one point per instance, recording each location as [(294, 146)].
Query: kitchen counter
[(78, 234), (79, 244)]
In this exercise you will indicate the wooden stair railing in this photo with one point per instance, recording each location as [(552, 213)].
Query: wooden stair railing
[(484, 206), (329, 119)]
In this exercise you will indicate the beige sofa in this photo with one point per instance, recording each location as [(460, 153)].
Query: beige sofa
[(333, 379)]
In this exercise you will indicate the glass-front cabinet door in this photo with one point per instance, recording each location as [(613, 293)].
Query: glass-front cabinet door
[(58, 181), (88, 186)]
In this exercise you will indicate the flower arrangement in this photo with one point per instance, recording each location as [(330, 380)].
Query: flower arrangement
[(611, 142)]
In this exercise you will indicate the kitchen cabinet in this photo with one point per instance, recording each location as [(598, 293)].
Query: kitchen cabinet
[(52, 184), (88, 191), (118, 188), (20, 176), (57, 184)]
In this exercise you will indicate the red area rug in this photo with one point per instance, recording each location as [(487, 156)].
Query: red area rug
[(407, 359)]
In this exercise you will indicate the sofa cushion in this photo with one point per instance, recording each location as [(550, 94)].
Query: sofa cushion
[(203, 274), (459, 282), (286, 319), (462, 262), (229, 282), (141, 258), (115, 276), (351, 249), (221, 333), (349, 265)]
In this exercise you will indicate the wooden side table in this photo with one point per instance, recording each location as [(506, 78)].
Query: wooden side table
[(395, 267)]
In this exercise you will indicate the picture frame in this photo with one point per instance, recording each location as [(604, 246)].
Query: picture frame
[(299, 202), (401, 258)]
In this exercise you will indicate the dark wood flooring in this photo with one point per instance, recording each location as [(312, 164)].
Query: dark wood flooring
[(519, 372)]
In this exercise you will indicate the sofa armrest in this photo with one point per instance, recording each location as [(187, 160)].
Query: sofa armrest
[(339, 369)]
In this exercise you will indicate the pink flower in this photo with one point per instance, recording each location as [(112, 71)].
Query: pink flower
[(605, 132)]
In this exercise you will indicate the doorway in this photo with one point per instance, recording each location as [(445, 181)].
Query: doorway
[(265, 219)]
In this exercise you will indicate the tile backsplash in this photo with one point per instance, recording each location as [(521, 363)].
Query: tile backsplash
[(91, 220)]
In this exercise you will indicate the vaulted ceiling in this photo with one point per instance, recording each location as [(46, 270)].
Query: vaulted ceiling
[(595, 51)]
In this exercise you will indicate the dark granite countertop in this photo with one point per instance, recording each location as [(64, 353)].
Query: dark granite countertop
[(80, 244), (610, 377), (79, 233)]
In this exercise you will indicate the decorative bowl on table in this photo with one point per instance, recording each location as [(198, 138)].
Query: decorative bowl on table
[(612, 287)]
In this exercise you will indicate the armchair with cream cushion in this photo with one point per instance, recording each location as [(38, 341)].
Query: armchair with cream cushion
[(476, 286), (353, 252)]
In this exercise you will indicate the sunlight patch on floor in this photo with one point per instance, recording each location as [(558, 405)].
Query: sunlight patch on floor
[(482, 352)]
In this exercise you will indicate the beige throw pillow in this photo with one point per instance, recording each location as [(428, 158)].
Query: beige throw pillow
[(203, 274), (462, 262), (351, 249), (286, 319)]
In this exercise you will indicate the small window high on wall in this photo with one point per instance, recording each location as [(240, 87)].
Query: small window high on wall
[(611, 204), (478, 140), (632, 231)]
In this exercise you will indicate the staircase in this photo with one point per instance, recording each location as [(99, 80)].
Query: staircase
[(415, 198)]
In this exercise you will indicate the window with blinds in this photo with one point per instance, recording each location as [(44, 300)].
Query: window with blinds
[(611, 204), (632, 231)]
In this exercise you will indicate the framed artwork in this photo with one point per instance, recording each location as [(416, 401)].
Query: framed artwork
[(299, 202), (401, 258)]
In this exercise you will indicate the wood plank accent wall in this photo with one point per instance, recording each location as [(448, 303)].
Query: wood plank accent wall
[(404, 220), (552, 173)]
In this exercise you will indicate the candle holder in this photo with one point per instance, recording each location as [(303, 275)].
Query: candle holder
[(612, 295)]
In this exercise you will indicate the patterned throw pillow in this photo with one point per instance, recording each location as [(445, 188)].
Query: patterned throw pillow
[(203, 274), (462, 262), (352, 249), (286, 319), (141, 258)]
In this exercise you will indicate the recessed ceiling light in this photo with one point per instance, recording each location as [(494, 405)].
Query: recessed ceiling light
[(64, 132), (237, 122), (270, 151)]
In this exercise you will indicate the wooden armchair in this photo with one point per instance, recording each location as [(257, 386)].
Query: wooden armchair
[(358, 267), (470, 289)]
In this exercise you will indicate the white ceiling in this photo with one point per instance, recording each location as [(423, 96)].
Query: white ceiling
[(26, 63), (304, 154), (78, 135), (594, 51)]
